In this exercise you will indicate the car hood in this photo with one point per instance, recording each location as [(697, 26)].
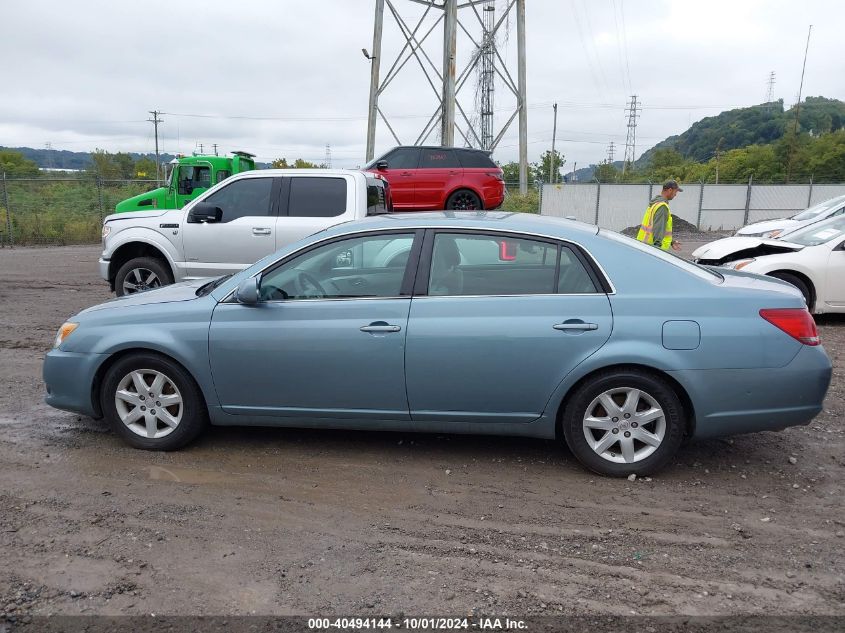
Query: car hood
[(784, 224), (184, 291), (733, 248)]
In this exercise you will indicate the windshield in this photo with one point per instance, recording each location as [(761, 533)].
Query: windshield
[(697, 270), (820, 208), (818, 233)]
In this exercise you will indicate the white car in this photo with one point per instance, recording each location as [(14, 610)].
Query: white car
[(811, 258), (776, 228)]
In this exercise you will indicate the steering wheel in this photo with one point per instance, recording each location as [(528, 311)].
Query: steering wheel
[(272, 293), (307, 286)]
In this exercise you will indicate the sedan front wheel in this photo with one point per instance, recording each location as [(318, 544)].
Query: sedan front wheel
[(152, 403), (624, 422)]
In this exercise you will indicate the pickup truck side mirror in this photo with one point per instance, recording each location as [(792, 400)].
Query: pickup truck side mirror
[(203, 212), (247, 292), (382, 164)]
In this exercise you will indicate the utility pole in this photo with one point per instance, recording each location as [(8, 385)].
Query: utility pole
[(718, 155), (631, 139), (155, 121), (450, 42), (215, 149), (552, 172), (797, 110), (200, 144)]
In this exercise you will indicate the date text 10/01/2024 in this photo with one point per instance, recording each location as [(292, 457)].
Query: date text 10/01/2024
[(422, 623)]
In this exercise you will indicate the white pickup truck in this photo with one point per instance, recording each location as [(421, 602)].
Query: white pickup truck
[(233, 225)]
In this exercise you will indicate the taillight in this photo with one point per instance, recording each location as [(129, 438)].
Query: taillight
[(498, 175), (797, 322)]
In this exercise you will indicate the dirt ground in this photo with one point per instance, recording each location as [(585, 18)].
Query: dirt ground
[(258, 521)]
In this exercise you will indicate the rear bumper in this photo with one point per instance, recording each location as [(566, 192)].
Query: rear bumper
[(69, 378), (731, 401)]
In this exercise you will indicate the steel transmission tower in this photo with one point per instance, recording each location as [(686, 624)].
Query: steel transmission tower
[(632, 109), (328, 160), (770, 91), (445, 82), (610, 149)]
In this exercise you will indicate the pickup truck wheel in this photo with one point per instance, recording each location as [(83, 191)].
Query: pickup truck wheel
[(464, 200), (141, 273), (153, 403)]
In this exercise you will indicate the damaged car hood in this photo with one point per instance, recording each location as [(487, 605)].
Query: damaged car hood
[(733, 248)]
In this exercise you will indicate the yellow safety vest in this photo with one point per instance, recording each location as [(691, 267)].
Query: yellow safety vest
[(646, 233)]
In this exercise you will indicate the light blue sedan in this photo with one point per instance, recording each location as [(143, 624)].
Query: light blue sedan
[(495, 323)]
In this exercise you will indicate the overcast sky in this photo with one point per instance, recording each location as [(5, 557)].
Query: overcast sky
[(285, 78)]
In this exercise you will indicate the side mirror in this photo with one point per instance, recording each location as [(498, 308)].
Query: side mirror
[(202, 212), (382, 164), (247, 292)]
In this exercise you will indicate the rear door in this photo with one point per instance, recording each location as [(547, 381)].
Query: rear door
[(438, 174), (245, 234), (312, 203), (496, 322)]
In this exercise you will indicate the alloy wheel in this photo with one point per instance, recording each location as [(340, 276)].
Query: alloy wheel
[(148, 403), (624, 425)]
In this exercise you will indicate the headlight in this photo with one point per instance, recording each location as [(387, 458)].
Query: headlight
[(739, 264), (64, 332), (770, 234), (106, 231)]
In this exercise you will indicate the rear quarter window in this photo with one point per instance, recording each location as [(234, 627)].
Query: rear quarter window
[(471, 160)]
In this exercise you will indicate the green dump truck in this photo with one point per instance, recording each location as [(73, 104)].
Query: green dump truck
[(188, 177)]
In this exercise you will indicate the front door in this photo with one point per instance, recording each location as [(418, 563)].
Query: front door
[(502, 321), (836, 277), (401, 167), (245, 234), (327, 340)]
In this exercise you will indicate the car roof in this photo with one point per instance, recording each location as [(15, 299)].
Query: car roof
[(485, 220)]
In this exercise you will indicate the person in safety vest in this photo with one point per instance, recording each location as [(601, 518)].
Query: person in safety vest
[(656, 228)]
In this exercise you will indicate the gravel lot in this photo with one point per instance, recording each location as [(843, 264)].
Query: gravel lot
[(323, 522)]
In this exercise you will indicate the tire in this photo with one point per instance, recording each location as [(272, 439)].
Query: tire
[(140, 274), (798, 283), (158, 427), (603, 453), (464, 200)]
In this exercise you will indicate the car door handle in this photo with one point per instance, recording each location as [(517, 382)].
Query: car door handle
[(576, 325), (405, 173), (260, 231), (380, 327)]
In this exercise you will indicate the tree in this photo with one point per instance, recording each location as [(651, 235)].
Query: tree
[(606, 172), (543, 168), (299, 163), (14, 165)]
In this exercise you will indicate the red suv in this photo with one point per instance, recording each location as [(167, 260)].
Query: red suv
[(441, 178)]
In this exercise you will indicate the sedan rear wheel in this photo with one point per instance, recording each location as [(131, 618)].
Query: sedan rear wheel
[(624, 422), (152, 403)]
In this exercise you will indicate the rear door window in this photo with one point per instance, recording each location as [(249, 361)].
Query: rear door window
[(317, 197), (436, 157)]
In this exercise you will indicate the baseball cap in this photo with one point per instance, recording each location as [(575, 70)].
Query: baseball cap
[(672, 184)]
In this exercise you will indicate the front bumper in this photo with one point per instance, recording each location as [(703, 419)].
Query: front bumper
[(70, 380), (103, 265)]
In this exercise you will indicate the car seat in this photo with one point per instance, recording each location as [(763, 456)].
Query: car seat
[(446, 276)]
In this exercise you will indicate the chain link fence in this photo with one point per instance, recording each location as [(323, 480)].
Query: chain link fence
[(706, 207), (59, 211)]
